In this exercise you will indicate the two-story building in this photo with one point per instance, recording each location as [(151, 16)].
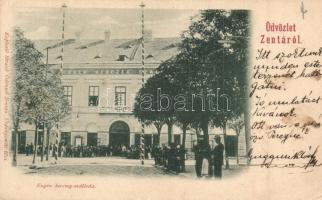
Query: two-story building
[(101, 79)]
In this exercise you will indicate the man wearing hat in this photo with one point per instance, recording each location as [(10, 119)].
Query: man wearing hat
[(198, 156), (218, 157)]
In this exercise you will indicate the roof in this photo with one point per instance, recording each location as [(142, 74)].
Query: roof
[(111, 51)]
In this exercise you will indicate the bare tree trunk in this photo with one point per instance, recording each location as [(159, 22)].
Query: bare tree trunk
[(225, 143), (170, 126), (35, 142), (42, 143), (15, 132), (204, 127), (47, 142), (184, 133), (237, 149), (158, 126), (247, 116), (247, 133), (159, 135), (14, 145)]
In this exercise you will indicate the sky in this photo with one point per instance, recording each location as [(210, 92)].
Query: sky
[(46, 23)]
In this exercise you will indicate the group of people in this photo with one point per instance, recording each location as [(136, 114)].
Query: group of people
[(62, 150), (170, 157), (209, 161), (98, 151), (29, 149)]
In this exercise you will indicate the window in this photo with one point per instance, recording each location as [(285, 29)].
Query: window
[(65, 138), (177, 139), (91, 139), (120, 96), (40, 137), (231, 145), (78, 141), (155, 139), (148, 140), (93, 96), (68, 91), (21, 141), (122, 58)]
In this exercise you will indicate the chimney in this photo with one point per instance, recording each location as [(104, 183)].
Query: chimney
[(107, 35), (148, 35)]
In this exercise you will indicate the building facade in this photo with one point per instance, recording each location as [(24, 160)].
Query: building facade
[(101, 79)]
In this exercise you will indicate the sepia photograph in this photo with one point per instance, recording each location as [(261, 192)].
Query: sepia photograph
[(165, 100), (131, 92)]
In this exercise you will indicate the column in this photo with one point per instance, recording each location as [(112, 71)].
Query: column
[(107, 138), (132, 139)]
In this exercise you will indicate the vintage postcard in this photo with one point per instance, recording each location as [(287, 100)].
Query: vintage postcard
[(165, 99)]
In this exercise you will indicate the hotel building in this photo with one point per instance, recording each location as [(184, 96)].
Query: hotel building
[(101, 78)]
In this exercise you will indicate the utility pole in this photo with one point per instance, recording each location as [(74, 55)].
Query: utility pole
[(63, 40), (61, 74), (142, 146)]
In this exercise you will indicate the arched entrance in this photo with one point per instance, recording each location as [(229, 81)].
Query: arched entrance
[(119, 134)]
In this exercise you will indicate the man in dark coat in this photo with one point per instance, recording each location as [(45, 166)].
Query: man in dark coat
[(218, 157), (31, 148), (198, 157), (27, 150)]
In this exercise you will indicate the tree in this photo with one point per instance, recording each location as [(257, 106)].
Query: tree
[(36, 102), (203, 68), (38, 95), (180, 72), (219, 65), (148, 117), (46, 101), (220, 119), (26, 60), (237, 123), (151, 108), (55, 104)]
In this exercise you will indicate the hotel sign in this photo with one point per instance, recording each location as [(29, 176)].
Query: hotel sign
[(92, 71), (116, 109)]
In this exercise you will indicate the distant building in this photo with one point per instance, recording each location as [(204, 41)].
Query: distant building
[(101, 79)]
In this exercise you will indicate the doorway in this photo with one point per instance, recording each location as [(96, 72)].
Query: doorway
[(119, 134)]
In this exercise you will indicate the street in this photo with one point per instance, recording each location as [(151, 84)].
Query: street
[(107, 166)]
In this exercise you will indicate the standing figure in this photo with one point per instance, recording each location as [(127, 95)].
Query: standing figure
[(206, 161), (51, 150), (218, 157), (31, 148), (198, 158), (55, 152), (27, 150), (177, 159)]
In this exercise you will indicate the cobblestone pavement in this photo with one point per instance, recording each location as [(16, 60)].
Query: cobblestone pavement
[(109, 166)]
